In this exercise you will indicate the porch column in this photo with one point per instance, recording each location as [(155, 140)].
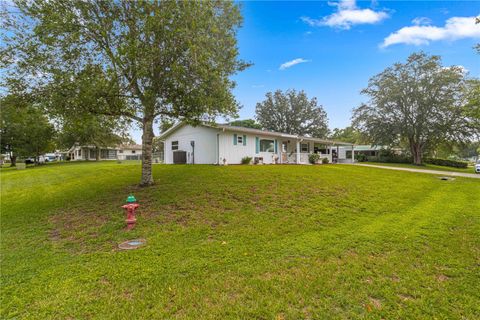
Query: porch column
[(353, 155), (298, 152)]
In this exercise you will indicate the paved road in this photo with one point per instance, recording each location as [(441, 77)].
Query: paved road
[(443, 173)]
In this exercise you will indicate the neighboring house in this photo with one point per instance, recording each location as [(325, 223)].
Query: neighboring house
[(225, 144), (365, 149), (121, 152)]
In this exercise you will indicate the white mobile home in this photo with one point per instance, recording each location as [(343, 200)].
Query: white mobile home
[(121, 152), (225, 144)]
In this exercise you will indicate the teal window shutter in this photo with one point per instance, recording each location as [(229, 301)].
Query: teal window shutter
[(235, 139), (244, 140), (257, 145), (276, 146)]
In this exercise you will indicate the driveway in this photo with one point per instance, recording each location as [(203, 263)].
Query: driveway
[(443, 173)]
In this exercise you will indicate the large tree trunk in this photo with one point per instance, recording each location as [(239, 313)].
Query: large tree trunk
[(417, 152), (147, 139), (97, 153), (13, 161)]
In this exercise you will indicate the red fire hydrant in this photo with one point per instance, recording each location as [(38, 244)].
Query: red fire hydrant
[(130, 208)]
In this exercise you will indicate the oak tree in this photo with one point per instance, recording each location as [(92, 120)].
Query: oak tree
[(163, 58), (419, 102), (292, 112)]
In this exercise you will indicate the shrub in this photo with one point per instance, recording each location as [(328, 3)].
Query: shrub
[(361, 157), (325, 160), (388, 156), (313, 158), (246, 160), (447, 162), (391, 159)]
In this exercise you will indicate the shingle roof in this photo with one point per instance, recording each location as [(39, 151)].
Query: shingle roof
[(255, 131)]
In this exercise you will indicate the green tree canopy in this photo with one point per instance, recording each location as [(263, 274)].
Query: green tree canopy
[(162, 58), (247, 123), (25, 130), (348, 134), (419, 101), (292, 112)]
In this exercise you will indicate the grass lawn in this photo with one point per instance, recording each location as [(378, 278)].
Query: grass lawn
[(425, 167), (239, 242)]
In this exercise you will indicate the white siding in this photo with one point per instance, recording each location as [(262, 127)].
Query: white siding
[(128, 152), (234, 153), (205, 144)]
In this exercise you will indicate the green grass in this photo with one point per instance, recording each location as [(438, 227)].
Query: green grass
[(424, 167), (239, 242)]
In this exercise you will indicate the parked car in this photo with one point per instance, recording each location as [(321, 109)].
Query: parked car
[(30, 160), (477, 166)]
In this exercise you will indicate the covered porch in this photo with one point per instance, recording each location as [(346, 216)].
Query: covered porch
[(298, 150), (90, 153)]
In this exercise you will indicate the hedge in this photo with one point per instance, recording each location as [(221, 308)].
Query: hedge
[(447, 162), (390, 159)]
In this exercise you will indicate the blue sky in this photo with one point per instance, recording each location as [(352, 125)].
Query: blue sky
[(341, 44), (344, 51)]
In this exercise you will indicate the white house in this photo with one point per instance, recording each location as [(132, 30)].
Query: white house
[(365, 149), (225, 144), (121, 152)]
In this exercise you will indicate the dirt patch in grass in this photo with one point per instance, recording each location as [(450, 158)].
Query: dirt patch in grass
[(442, 278), (75, 228)]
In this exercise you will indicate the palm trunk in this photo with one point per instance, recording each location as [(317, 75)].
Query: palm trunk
[(147, 139)]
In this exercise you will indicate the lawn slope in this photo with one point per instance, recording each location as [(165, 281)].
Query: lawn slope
[(262, 242)]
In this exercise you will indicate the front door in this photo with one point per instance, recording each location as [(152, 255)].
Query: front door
[(284, 152)]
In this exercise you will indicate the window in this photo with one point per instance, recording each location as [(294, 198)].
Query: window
[(120, 151), (267, 145), (240, 140), (133, 151), (304, 147), (174, 145)]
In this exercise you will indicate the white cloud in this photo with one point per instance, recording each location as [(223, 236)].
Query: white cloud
[(291, 63), (455, 28), (347, 15), (422, 21)]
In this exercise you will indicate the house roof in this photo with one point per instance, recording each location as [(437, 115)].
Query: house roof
[(227, 127), (130, 146), (368, 147), (122, 146)]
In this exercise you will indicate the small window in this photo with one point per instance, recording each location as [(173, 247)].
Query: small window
[(120, 151), (133, 151), (174, 145), (304, 147), (267, 145), (240, 140)]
